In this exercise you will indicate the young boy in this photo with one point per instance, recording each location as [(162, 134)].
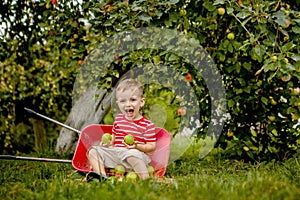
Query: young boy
[(129, 97)]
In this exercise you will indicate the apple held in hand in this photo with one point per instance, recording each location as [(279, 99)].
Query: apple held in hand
[(129, 139), (106, 138)]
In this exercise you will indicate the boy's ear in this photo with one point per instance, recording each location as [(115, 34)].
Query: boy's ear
[(143, 100)]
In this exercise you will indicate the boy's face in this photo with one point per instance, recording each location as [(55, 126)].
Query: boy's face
[(130, 101)]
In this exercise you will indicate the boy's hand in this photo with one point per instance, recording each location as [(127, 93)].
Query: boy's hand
[(105, 144), (133, 146)]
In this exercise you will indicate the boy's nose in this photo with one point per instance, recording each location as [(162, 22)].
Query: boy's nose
[(127, 103)]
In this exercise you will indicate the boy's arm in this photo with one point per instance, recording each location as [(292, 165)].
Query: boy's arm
[(113, 138), (147, 148)]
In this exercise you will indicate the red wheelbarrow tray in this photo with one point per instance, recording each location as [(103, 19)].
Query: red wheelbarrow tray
[(92, 134)]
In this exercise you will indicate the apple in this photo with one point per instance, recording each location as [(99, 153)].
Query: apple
[(273, 102), (274, 58), (230, 133), (129, 139), (80, 62), (182, 12), (131, 176), (271, 118), (107, 7), (221, 11), (54, 2), (188, 77), (181, 111), (246, 148), (230, 36), (150, 170), (106, 138), (117, 58), (286, 60), (120, 170)]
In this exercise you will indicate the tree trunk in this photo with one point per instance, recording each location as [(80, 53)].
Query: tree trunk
[(39, 133), (87, 110)]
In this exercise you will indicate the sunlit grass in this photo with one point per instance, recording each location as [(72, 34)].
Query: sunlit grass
[(190, 177)]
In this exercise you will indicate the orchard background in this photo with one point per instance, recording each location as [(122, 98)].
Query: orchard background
[(255, 45)]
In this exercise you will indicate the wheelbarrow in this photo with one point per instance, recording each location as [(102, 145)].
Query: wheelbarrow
[(91, 135)]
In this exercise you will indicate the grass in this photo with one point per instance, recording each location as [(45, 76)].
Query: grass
[(193, 179)]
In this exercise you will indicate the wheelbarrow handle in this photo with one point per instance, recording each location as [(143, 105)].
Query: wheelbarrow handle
[(52, 120)]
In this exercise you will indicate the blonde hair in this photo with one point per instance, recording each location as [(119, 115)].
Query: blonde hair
[(130, 84)]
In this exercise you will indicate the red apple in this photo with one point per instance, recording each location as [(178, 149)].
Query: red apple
[(188, 77), (181, 111), (117, 58), (54, 2), (107, 7)]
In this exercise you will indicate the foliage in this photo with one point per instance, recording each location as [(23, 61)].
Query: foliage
[(45, 43)]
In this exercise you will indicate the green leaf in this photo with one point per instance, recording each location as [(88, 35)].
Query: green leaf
[(209, 6), (231, 103), (145, 17), (217, 2), (173, 1), (295, 57), (274, 132), (264, 100), (229, 10), (247, 66), (287, 47), (243, 14), (296, 29), (258, 52), (281, 18)]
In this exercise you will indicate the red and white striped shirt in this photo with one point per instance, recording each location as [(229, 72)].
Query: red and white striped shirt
[(143, 130)]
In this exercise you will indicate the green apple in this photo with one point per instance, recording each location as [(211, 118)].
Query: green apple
[(271, 118), (274, 58), (106, 138), (131, 176), (129, 139), (221, 11), (150, 170), (230, 36), (120, 169)]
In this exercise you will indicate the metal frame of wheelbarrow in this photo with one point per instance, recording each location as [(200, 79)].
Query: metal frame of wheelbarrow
[(10, 157)]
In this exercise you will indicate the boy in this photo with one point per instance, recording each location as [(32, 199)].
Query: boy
[(129, 98)]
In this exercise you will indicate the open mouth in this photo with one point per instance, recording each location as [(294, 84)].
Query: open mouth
[(129, 112)]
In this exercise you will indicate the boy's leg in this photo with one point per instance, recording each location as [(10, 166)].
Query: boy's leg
[(139, 166), (96, 162)]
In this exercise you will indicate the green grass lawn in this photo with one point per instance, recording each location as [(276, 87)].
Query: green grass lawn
[(192, 179)]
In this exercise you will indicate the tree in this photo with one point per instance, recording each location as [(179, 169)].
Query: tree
[(254, 45)]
